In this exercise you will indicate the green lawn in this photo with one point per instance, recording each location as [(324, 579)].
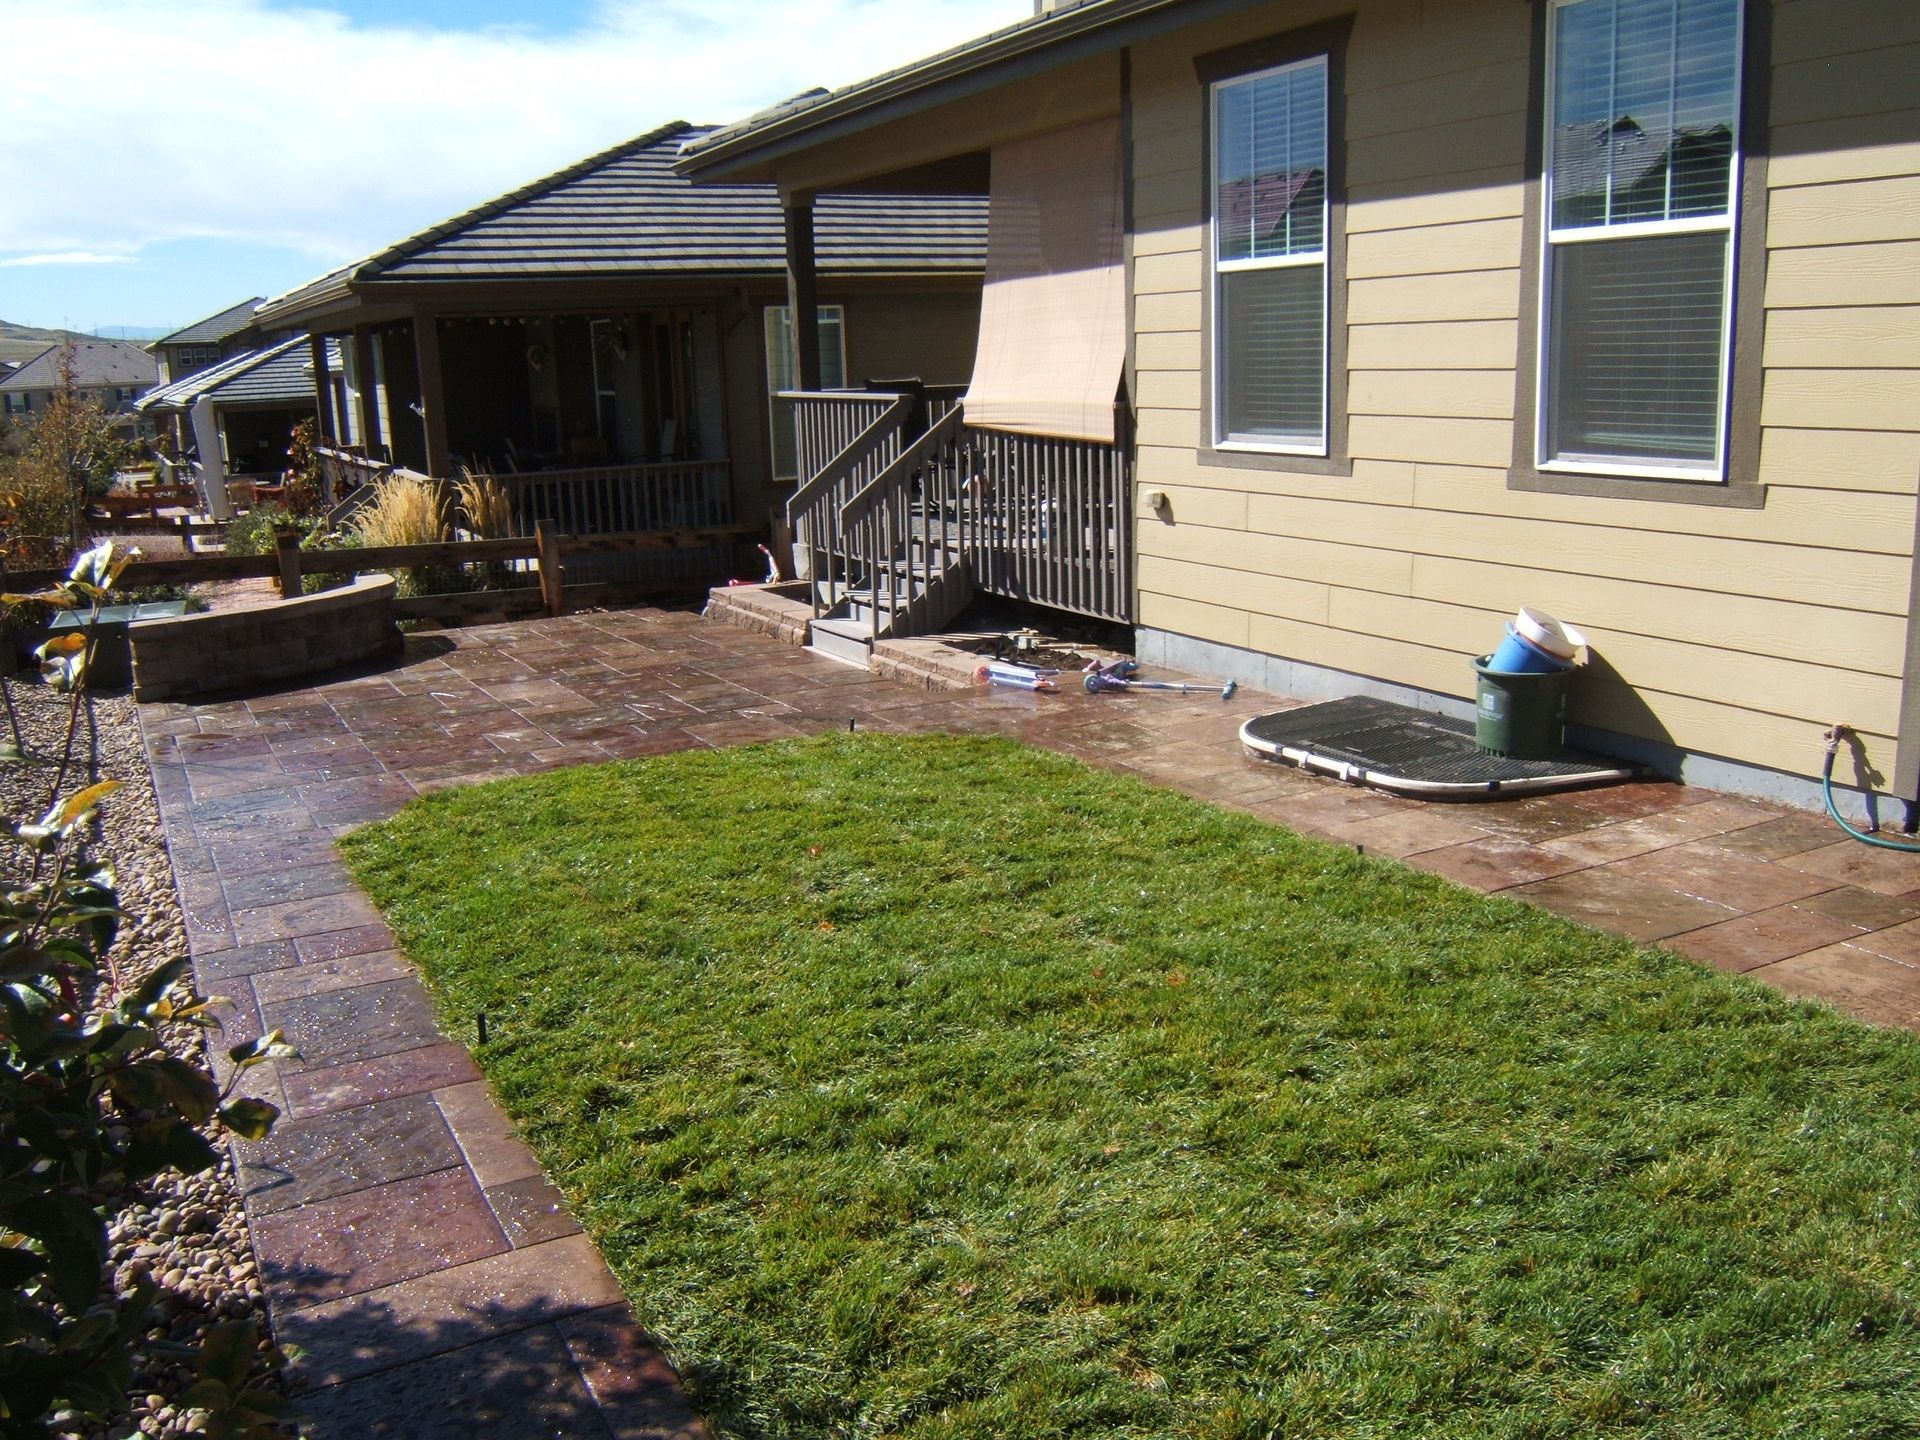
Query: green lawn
[(939, 1087)]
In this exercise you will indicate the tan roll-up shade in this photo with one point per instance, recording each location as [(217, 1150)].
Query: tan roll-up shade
[(1053, 316)]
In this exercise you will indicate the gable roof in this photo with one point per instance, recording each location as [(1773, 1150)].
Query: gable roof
[(625, 213), (95, 363), (215, 328), (282, 373)]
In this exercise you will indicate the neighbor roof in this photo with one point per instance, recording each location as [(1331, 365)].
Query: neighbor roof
[(215, 328), (280, 373), (624, 213), (1093, 22), (95, 363)]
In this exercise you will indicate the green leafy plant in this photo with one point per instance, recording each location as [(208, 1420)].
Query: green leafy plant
[(92, 1098)]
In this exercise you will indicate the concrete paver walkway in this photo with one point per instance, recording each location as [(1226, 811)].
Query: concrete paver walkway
[(411, 1245)]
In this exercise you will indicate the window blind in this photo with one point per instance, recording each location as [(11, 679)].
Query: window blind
[(1269, 257), (1645, 120)]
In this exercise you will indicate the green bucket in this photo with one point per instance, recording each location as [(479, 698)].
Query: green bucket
[(1517, 714)]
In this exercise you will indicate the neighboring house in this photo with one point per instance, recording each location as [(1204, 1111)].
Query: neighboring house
[(1428, 311), (613, 323), (112, 372), (236, 418), (207, 342)]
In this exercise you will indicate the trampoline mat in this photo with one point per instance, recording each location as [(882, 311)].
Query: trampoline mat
[(1394, 747)]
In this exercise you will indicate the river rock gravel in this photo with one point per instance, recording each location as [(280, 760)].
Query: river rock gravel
[(188, 1234)]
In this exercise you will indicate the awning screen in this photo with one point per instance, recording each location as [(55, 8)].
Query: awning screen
[(1053, 316)]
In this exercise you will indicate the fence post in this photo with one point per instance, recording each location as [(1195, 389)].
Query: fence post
[(553, 586), (186, 533), (286, 550)]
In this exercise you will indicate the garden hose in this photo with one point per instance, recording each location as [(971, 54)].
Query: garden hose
[(1826, 790)]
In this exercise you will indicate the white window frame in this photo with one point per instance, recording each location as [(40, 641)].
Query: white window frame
[(1552, 238), (1223, 439), (776, 318)]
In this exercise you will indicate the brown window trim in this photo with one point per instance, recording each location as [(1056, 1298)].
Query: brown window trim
[(1740, 488), (1328, 38)]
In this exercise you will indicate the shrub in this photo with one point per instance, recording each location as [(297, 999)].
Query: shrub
[(91, 1099)]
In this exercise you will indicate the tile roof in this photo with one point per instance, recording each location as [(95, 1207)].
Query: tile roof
[(95, 363), (282, 372), (215, 328), (625, 213)]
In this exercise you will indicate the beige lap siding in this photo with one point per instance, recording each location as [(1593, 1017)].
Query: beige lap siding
[(1733, 632)]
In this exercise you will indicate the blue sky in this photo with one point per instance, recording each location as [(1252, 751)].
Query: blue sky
[(165, 161)]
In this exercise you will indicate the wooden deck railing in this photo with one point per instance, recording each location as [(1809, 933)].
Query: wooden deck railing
[(1036, 519), (814, 511), (827, 422), (609, 498), (344, 471)]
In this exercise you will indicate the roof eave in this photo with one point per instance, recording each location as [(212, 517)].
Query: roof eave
[(731, 156)]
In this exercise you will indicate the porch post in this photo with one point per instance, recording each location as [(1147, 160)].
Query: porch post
[(426, 354), (323, 389), (369, 415), (802, 300)]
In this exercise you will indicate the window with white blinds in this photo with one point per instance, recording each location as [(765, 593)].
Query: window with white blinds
[(1642, 181), (1270, 259)]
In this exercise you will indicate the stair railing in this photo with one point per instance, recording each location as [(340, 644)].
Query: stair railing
[(815, 510), (895, 529)]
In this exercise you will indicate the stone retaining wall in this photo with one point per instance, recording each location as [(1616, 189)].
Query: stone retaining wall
[(276, 640)]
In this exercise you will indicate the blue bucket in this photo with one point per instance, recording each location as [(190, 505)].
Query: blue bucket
[(1518, 655)]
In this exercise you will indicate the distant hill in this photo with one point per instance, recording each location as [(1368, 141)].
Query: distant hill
[(23, 342)]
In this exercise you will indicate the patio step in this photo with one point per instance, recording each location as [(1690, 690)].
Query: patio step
[(842, 638)]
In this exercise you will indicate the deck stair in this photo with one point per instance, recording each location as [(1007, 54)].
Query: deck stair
[(908, 511)]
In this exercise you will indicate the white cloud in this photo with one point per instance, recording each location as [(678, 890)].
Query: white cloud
[(63, 257), (129, 123)]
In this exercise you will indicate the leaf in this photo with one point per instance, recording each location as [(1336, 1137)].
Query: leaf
[(75, 1238), (18, 1265), (185, 1086), (226, 1355), (76, 806), (270, 1046), (68, 642), (250, 1119), (168, 1144), (59, 599)]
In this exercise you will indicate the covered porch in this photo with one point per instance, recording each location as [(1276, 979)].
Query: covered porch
[(1018, 483), (595, 419)]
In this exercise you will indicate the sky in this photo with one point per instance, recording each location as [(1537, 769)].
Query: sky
[(161, 162)]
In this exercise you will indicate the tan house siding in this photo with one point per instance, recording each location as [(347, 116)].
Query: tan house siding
[(1726, 631)]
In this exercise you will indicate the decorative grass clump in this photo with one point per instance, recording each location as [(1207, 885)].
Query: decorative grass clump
[(409, 509), (944, 1087), (486, 510), (406, 509)]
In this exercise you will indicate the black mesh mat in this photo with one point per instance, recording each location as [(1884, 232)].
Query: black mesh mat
[(1394, 747)]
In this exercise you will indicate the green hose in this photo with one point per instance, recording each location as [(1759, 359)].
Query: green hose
[(1826, 790)]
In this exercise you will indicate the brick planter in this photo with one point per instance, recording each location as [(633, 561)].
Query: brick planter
[(277, 640)]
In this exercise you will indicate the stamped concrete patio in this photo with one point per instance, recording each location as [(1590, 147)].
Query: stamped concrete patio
[(410, 1244)]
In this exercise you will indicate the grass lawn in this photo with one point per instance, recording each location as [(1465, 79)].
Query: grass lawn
[(941, 1087)]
